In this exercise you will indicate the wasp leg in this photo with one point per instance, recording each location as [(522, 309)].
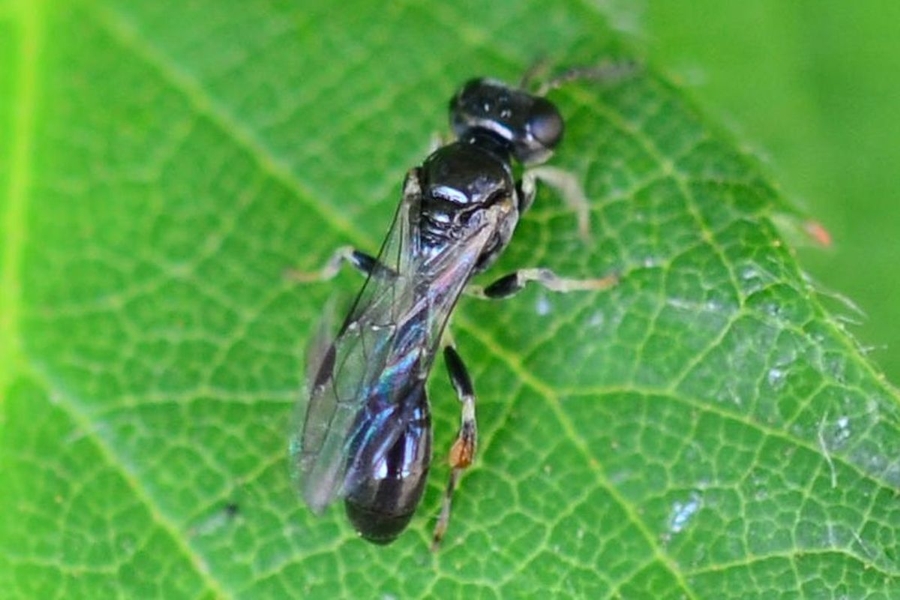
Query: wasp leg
[(536, 71), (566, 185), (608, 71), (512, 284), (462, 453), (362, 262)]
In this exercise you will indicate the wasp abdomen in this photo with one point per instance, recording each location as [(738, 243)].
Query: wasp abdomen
[(381, 505)]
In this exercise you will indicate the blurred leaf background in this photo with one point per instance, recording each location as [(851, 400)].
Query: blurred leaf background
[(811, 88)]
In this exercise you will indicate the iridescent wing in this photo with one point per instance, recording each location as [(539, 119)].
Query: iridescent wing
[(364, 386)]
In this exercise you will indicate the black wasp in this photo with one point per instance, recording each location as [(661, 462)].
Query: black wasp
[(366, 433)]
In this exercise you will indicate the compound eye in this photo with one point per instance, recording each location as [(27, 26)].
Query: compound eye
[(545, 123)]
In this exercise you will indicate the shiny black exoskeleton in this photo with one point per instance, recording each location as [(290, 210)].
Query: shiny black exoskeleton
[(366, 433), (494, 124)]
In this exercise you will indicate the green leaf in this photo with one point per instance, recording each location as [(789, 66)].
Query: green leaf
[(705, 429), (805, 83)]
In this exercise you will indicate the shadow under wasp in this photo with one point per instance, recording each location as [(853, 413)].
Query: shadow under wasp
[(366, 427)]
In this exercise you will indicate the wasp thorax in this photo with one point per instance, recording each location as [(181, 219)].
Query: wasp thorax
[(465, 175)]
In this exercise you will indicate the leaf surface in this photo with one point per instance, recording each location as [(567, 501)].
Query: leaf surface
[(705, 429)]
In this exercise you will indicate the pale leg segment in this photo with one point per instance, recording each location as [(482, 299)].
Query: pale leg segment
[(513, 283), (362, 262), (462, 453), (567, 186)]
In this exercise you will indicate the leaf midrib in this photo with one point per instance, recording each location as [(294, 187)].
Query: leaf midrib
[(24, 97), (13, 361)]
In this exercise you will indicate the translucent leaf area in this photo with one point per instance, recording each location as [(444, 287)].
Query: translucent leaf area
[(706, 429)]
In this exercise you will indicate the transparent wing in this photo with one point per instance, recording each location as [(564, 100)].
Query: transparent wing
[(342, 371), (367, 383)]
